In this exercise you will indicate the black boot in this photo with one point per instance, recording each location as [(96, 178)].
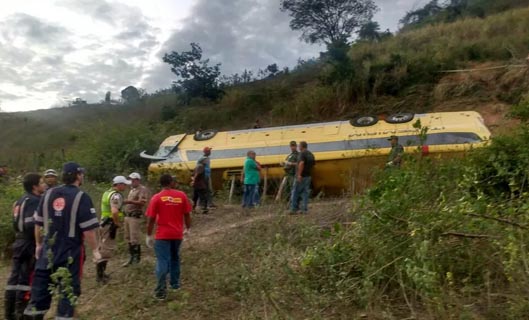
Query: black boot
[(101, 277), (137, 254), (131, 256), (20, 307)]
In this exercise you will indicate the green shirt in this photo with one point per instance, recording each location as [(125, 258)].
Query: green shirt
[(396, 151), (251, 173), (290, 170)]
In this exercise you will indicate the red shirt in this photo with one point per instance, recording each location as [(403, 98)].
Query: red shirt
[(168, 207)]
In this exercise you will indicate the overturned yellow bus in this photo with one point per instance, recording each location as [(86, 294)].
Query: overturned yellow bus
[(346, 152)]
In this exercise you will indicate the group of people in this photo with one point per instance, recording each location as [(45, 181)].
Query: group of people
[(53, 223), (298, 169)]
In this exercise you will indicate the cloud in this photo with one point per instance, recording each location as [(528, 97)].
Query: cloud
[(240, 34), (41, 58)]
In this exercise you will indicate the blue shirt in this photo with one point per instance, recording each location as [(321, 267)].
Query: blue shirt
[(207, 166), (59, 238)]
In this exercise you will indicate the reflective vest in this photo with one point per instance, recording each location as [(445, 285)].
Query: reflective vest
[(106, 211)]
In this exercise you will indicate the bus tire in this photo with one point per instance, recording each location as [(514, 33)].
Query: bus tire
[(205, 135), (400, 117), (364, 121)]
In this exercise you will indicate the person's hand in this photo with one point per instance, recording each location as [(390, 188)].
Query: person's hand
[(149, 241), (389, 164), (282, 163), (187, 232), (299, 179), (96, 255), (38, 250)]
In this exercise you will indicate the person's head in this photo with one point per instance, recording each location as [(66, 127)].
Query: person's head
[(135, 179), (293, 146), (50, 177), (120, 183), (251, 154), (394, 140), (33, 183), (303, 146), (207, 151), (166, 181), (72, 173)]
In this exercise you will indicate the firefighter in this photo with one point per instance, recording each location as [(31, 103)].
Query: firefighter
[(64, 220), (134, 206), (111, 213), (18, 283)]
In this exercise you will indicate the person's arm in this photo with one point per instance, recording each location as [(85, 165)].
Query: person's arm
[(150, 225), (151, 219), (91, 238), (301, 166), (115, 204), (38, 241), (187, 220)]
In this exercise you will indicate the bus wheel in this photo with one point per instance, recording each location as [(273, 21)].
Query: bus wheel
[(364, 121), (205, 135), (400, 117)]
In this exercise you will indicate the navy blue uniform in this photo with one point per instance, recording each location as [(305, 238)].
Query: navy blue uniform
[(65, 213), (18, 283)]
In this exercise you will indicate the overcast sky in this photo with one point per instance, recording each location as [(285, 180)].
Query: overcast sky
[(52, 51)]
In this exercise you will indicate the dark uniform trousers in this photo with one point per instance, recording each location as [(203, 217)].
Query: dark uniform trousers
[(19, 281)]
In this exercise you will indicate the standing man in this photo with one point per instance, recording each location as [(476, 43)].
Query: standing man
[(200, 185), (50, 177), (111, 205), (134, 206), (250, 178), (290, 165), (205, 159), (65, 217), (395, 155), (18, 283), (169, 209), (301, 187)]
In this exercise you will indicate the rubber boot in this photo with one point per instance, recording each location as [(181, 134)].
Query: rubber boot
[(137, 254), (20, 307), (131, 256), (101, 277)]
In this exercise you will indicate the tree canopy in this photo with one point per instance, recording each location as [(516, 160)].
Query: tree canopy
[(328, 21), (197, 78)]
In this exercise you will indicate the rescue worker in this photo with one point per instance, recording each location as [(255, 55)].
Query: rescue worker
[(395, 155), (111, 213), (18, 283), (50, 177), (134, 206), (170, 210), (65, 218)]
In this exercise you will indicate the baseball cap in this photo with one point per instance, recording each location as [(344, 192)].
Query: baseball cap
[(206, 149), (120, 179), (393, 137), (293, 143), (50, 173), (72, 168), (135, 175)]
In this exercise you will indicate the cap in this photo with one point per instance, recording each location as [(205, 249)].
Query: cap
[(293, 143), (135, 175), (50, 173), (393, 137), (120, 179), (72, 168), (206, 149)]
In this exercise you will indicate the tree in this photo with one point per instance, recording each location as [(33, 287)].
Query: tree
[(197, 78), (130, 94), (328, 21)]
